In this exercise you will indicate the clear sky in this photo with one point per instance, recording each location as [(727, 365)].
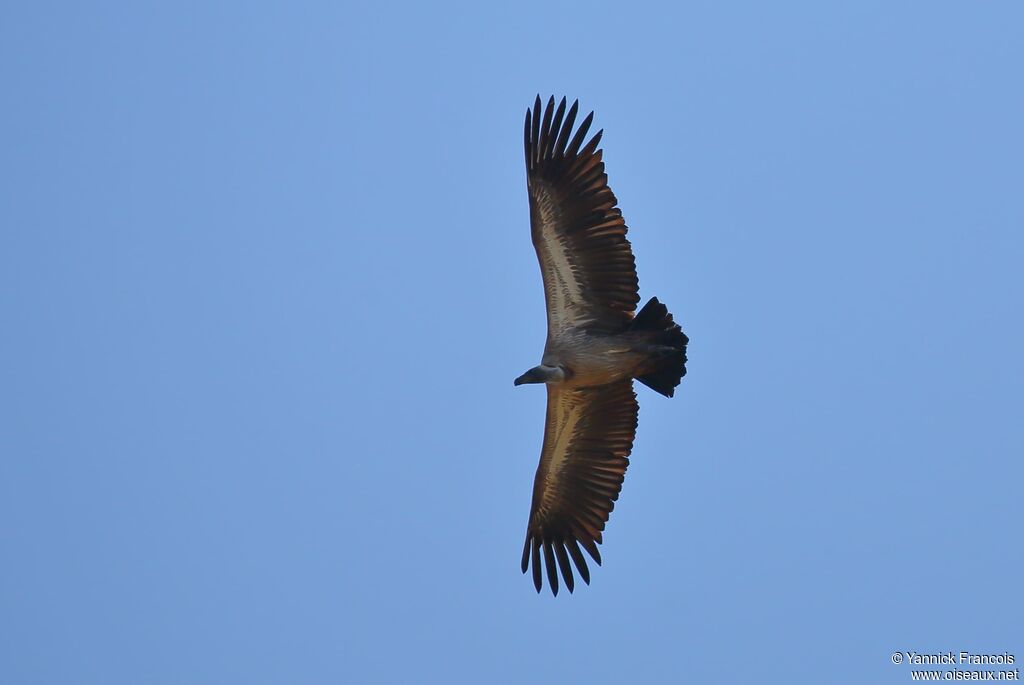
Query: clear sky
[(266, 279)]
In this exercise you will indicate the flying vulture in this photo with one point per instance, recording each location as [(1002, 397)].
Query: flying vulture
[(595, 347)]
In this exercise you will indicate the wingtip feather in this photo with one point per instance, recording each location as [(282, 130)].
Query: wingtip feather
[(564, 566), (549, 563), (537, 582)]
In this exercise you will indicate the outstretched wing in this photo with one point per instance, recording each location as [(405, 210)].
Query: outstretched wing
[(578, 232), (588, 435)]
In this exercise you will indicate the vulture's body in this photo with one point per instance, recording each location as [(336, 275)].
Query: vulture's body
[(595, 345)]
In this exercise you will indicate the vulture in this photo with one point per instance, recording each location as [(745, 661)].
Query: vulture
[(595, 346)]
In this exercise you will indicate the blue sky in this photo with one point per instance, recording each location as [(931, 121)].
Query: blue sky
[(266, 279)]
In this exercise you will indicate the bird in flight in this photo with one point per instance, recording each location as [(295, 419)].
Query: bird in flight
[(595, 346)]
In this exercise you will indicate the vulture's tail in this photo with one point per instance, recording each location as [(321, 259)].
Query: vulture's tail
[(668, 347)]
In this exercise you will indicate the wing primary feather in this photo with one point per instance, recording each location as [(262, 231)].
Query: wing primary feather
[(579, 560), (526, 554), (563, 136), (577, 139), (537, 583), (592, 550), (545, 129), (556, 127), (526, 140), (549, 562), (563, 564), (535, 130), (592, 145)]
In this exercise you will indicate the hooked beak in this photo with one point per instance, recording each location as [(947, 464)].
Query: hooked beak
[(530, 376)]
